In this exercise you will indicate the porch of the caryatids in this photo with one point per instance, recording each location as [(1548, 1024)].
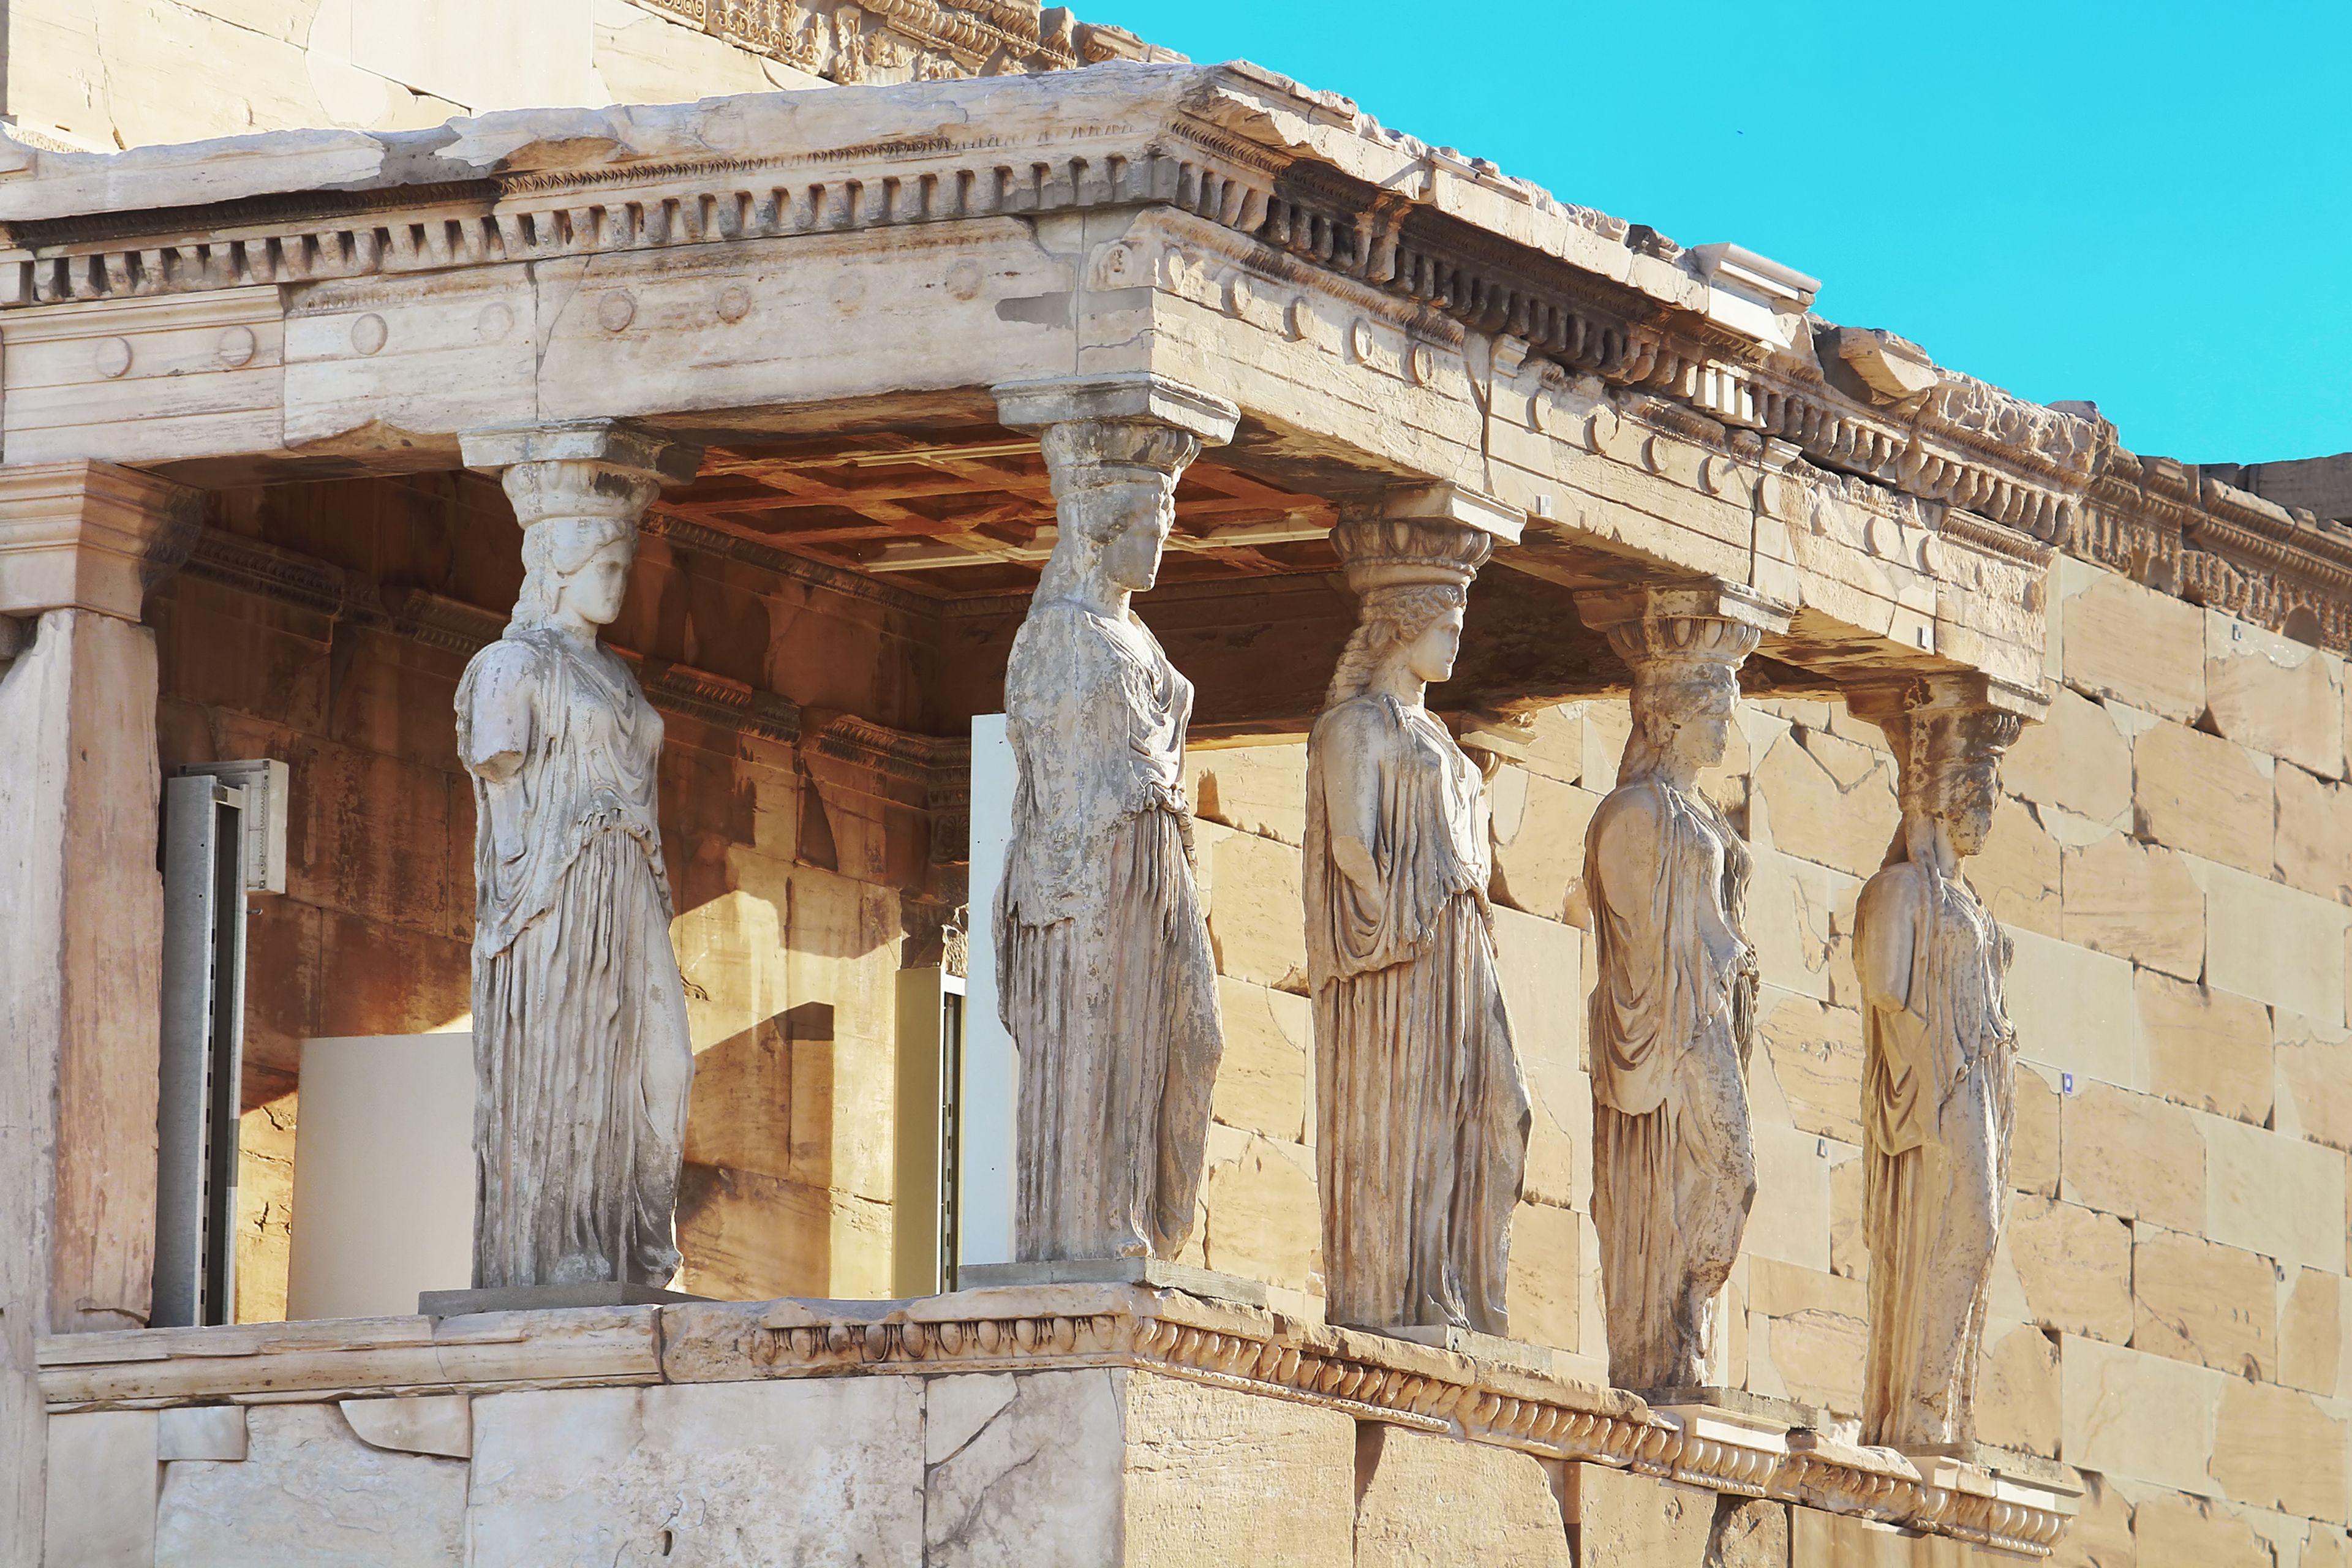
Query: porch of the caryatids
[(1107, 982), (1673, 1006), (1422, 1116), (1939, 1060)]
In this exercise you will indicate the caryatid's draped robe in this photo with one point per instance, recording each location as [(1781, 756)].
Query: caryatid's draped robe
[(1937, 1110), (1674, 1168), (582, 1058), (1107, 981), (1422, 1119)]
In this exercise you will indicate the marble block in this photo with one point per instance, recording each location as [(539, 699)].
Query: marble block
[(1153, 1273), (537, 1297)]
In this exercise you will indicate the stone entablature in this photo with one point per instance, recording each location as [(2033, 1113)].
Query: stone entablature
[(2014, 1503), (909, 40)]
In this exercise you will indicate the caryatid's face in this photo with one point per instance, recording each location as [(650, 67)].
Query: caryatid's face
[(1432, 654), (1130, 557), (594, 592), (1701, 715), (1968, 815)]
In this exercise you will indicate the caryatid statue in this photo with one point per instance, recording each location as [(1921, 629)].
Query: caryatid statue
[(1421, 1116), (1673, 1171), (1939, 1063), (1107, 981), (581, 1057)]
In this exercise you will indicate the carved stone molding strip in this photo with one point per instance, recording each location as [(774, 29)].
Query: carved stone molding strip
[(2014, 1503)]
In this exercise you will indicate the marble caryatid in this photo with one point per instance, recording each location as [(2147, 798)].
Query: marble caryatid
[(1107, 982), (1938, 1070), (1422, 1118), (1673, 1171), (581, 1056)]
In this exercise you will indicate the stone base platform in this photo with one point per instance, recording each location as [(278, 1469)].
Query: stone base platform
[(535, 1298), (1056, 1424)]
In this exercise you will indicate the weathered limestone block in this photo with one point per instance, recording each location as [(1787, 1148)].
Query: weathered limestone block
[(2019, 872), (1216, 1475), (1425, 1499), (1819, 1337), (1791, 1221), (439, 1424), (1849, 1254), (1538, 829), (2076, 758), (2072, 1008), (2018, 1393), (1262, 1078), (101, 1508), (2311, 1332), (1542, 964), (583, 1476), (2129, 1414), (1251, 886), (2279, 1448), (2076, 1265), (1260, 1200), (2274, 944), (2314, 1078), (2207, 1048), (2101, 1534), (2132, 1154), (2324, 1546), (1828, 799), (2272, 694), (2204, 796), (202, 1432), (309, 1490), (1547, 1245), (2270, 1194), (2132, 643), (1820, 1539), (1817, 1056), (1792, 907), (1626, 1521), (2194, 1300), (1252, 789), (2033, 1138), (2137, 901), (1022, 1470), (2173, 1531), (1749, 1532), (2313, 843)]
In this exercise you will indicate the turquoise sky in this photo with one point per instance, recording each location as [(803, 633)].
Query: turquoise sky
[(2147, 206)]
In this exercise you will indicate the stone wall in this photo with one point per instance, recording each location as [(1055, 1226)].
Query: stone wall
[(2173, 860), (788, 867)]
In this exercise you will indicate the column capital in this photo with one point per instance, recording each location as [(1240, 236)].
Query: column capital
[(588, 468), (1128, 398), (1615, 611), (1897, 699), (1435, 501), (89, 535)]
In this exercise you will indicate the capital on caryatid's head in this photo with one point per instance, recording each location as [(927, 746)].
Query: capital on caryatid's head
[(1685, 644), (1949, 731)]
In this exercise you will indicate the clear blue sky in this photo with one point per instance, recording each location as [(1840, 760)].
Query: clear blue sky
[(2149, 205)]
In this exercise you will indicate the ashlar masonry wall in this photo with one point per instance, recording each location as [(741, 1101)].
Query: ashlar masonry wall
[(2172, 860)]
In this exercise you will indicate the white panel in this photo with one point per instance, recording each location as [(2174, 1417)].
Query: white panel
[(383, 1174), (990, 1066), (520, 54)]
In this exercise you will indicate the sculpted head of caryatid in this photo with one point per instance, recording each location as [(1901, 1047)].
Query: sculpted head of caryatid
[(1412, 581), (1114, 502), (1685, 647), (1948, 733)]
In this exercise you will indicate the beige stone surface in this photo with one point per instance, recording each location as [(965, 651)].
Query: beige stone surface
[(2077, 758), (596, 1475), (2274, 1194), (311, 1491), (2315, 1080), (2310, 1331), (1819, 1337), (1546, 1245), (1791, 917), (2324, 1546), (1250, 886), (2271, 693), (1829, 801), (2132, 1154), (1214, 1474), (2313, 847), (1849, 1256), (2206, 1049), (1426, 1500), (2174, 1531), (2203, 795), (2278, 1449), (2100, 1535), (440, 1423), (1749, 1532), (1033, 1479), (1816, 1053), (2075, 1265), (1255, 789), (2017, 1392), (2132, 643), (1263, 1221), (2137, 901), (265, 1209), (101, 1508), (2195, 1300), (2274, 944), (2034, 1141), (1627, 1520), (2017, 875), (202, 1432), (1791, 1219), (1542, 973), (1262, 1080), (2073, 1009), (1539, 828), (2127, 1414)]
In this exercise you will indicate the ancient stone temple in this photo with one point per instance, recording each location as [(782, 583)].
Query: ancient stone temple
[(1007, 801)]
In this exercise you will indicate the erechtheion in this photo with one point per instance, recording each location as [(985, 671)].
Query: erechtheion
[(1008, 801)]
